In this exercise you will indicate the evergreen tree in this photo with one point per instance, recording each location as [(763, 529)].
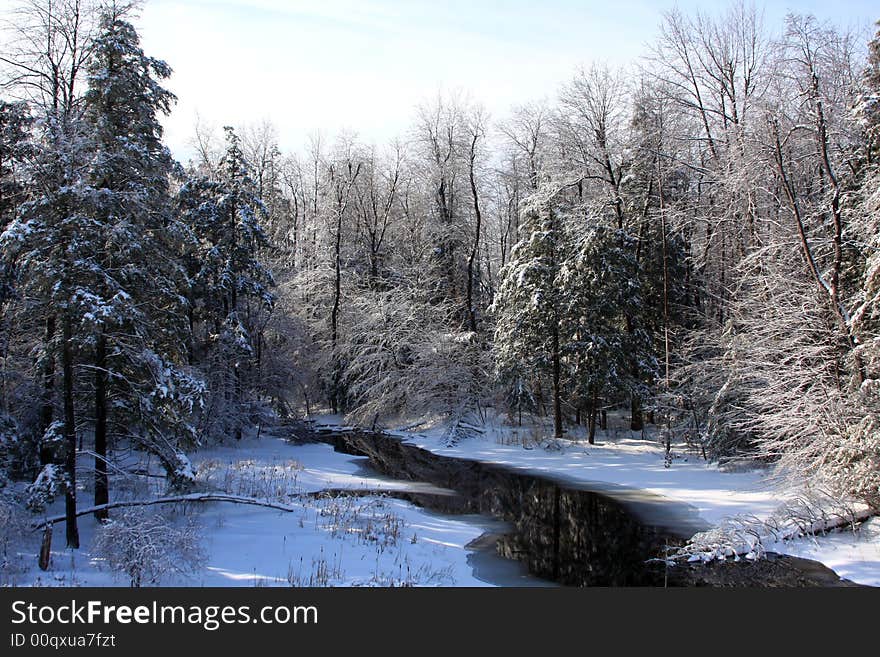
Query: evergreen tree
[(529, 306), (95, 247), (45, 241), (600, 289), (15, 146), (130, 282), (231, 287)]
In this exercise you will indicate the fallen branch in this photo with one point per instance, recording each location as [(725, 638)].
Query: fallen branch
[(332, 428), (191, 497), (410, 427), (747, 536)]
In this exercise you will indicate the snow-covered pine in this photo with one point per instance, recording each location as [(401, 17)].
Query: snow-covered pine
[(528, 307), (129, 285), (44, 242), (600, 284), (230, 292)]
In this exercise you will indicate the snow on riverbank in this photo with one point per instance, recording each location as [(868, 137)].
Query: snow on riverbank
[(624, 458), (852, 555), (377, 540), (629, 462), (336, 541)]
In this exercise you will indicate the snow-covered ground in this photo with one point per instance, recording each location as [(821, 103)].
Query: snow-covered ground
[(624, 458), (373, 539), (854, 555), (333, 541)]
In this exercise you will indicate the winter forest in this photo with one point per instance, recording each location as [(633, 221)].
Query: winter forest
[(684, 252)]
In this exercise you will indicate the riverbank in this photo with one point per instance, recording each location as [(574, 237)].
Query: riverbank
[(348, 526), (328, 539), (623, 459)]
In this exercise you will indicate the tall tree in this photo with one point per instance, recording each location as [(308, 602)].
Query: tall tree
[(231, 284), (528, 305), (131, 280)]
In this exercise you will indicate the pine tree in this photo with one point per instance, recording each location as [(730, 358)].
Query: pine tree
[(231, 285), (45, 241), (15, 146), (599, 285), (130, 281), (529, 307), (95, 247)]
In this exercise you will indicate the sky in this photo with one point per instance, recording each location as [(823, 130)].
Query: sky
[(323, 66)]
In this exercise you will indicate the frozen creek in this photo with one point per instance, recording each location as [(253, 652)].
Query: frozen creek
[(564, 533)]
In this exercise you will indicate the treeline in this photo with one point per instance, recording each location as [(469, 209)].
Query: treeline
[(694, 239)]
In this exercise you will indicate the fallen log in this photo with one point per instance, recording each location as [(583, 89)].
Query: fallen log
[(190, 497)]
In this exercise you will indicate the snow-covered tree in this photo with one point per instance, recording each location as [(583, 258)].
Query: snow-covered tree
[(96, 248), (128, 281), (402, 360), (130, 288), (600, 290), (529, 305), (42, 61), (15, 147), (48, 232), (230, 292)]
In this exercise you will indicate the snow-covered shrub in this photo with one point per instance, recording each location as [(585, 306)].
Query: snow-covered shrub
[(147, 546), (808, 514), (48, 485)]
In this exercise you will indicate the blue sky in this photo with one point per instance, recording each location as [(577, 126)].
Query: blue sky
[(363, 65)]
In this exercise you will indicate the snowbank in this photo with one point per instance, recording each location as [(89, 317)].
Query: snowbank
[(624, 458)]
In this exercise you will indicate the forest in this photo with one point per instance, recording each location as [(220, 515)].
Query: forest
[(692, 241)]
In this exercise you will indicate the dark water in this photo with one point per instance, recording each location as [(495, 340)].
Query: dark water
[(572, 535)]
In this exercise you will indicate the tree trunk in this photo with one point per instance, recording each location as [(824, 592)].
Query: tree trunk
[(239, 401), (593, 409), (334, 315), (46, 548), (539, 398), (102, 484), (72, 532), (478, 217), (48, 410), (636, 421), (557, 401), (342, 199)]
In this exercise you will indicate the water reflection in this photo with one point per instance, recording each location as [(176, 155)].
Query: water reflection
[(571, 535)]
